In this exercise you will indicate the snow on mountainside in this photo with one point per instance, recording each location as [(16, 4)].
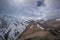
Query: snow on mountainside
[(15, 26), (11, 27), (42, 30)]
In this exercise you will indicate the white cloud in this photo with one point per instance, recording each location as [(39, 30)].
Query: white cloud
[(28, 9), (22, 2), (51, 10), (25, 8)]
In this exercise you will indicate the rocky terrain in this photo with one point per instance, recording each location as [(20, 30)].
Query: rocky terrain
[(11, 27), (47, 30), (17, 29)]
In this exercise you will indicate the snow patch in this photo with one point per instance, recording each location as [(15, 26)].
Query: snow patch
[(17, 26)]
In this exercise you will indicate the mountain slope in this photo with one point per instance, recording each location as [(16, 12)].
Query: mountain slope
[(36, 31), (15, 26)]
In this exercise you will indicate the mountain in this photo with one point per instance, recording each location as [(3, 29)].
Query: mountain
[(3, 27), (46, 30), (19, 29), (14, 25)]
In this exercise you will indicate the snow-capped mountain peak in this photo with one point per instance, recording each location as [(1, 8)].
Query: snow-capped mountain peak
[(16, 26)]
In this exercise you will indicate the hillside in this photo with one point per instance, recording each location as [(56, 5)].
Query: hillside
[(18, 29), (34, 31)]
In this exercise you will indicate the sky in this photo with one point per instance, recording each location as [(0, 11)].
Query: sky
[(30, 9)]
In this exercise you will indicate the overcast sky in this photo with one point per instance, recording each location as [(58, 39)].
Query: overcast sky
[(30, 9)]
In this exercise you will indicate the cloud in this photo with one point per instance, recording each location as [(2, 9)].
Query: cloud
[(22, 2), (52, 9), (29, 9), (17, 9)]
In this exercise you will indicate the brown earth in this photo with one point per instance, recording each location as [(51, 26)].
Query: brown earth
[(32, 32)]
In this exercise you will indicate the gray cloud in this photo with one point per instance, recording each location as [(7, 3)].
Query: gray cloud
[(23, 9), (29, 9), (52, 9)]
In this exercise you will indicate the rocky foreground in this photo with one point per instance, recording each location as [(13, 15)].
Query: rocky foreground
[(48, 30)]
